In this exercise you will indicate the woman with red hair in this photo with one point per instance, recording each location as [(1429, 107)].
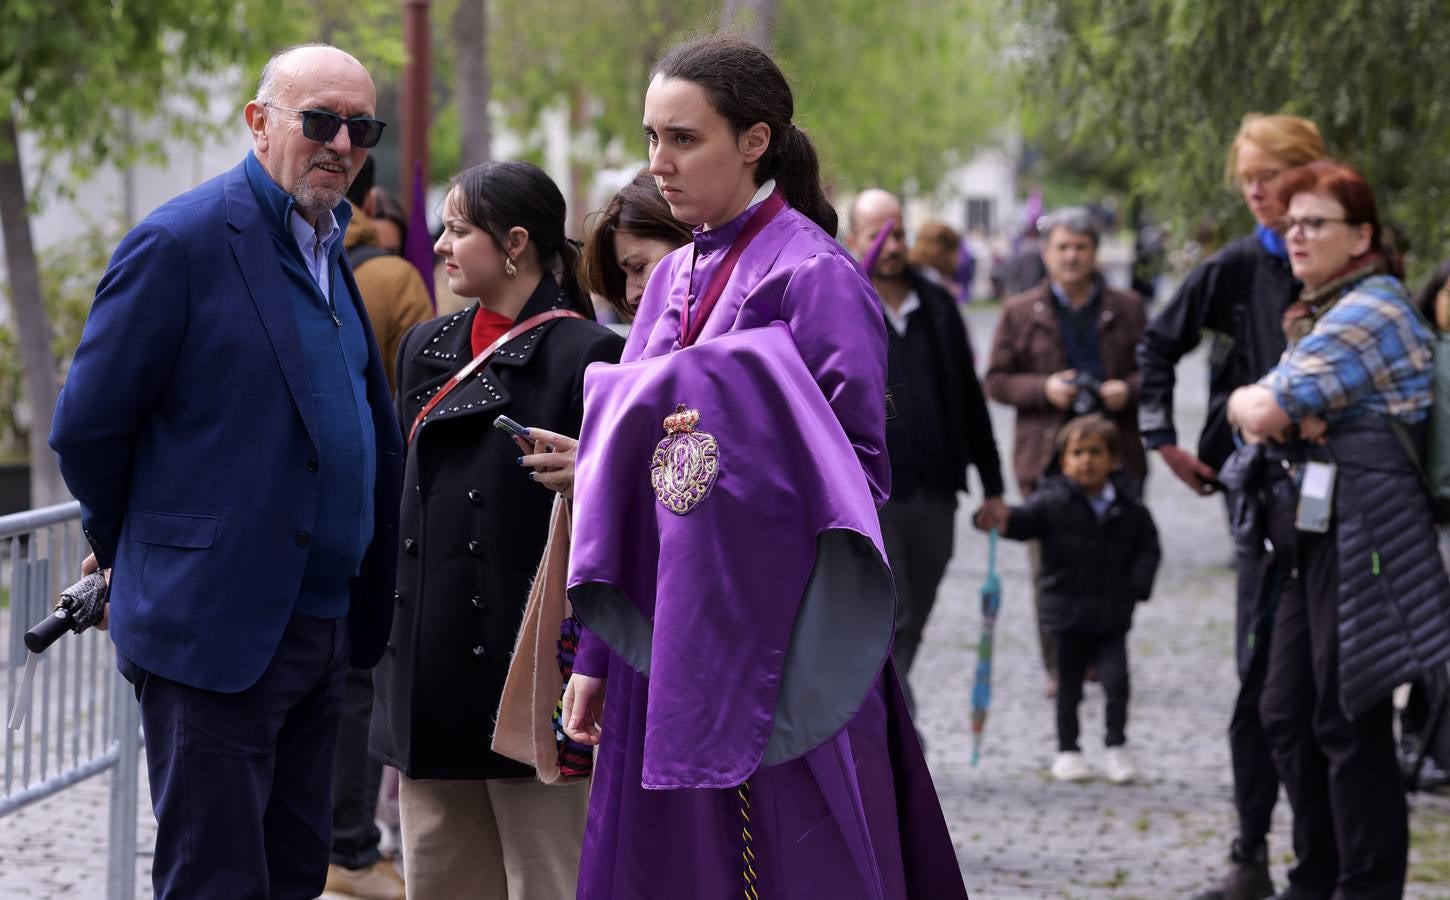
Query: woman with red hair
[(1332, 433)]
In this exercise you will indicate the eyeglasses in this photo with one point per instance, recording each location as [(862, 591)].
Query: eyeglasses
[(322, 126), (1309, 225), (1261, 178)]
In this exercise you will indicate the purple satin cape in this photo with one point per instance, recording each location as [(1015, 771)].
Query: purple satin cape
[(724, 598), (790, 503)]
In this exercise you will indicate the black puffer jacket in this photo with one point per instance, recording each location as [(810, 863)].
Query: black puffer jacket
[(1094, 571), (1394, 596)]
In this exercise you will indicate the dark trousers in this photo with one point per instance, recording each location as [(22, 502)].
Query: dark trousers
[(355, 778), (240, 782), (1342, 777), (1046, 639), (1256, 780), (1076, 650), (918, 533)]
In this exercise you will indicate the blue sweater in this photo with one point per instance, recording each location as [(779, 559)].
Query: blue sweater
[(337, 358)]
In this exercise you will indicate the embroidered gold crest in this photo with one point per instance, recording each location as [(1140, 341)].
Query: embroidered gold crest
[(685, 464)]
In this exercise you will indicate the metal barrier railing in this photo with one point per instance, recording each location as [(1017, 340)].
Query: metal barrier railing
[(83, 717)]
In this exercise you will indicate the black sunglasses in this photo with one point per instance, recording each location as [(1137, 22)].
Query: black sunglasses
[(321, 126)]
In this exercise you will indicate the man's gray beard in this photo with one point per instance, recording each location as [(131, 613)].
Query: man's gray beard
[(314, 199), (318, 200)]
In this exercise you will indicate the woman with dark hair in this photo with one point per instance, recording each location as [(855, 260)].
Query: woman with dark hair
[(473, 527), (1332, 433), (735, 671), (633, 232)]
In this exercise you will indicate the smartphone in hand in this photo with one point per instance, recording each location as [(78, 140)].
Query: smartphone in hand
[(509, 426)]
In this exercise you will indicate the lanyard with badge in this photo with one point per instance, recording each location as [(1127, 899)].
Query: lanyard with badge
[(1316, 497)]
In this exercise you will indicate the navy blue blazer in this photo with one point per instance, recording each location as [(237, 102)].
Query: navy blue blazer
[(186, 430)]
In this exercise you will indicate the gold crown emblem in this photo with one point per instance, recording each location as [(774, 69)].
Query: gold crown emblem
[(682, 420)]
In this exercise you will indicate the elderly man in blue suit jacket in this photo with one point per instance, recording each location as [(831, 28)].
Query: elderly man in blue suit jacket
[(228, 430)]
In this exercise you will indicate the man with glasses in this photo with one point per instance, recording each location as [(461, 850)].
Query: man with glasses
[(1238, 297), (228, 429)]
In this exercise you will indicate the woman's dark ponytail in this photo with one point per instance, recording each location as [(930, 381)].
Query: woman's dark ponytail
[(797, 172), (578, 300)]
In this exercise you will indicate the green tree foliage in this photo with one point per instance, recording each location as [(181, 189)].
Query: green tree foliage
[(564, 53), (1157, 88), (892, 92), (77, 70)]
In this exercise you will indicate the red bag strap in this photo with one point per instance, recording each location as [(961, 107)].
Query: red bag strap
[(482, 360)]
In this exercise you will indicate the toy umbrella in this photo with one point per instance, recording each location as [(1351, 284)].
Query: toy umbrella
[(982, 686)]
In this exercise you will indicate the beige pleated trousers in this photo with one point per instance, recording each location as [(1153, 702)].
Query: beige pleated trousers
[(495, 839)]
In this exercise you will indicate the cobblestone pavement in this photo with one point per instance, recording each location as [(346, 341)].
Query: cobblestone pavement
[(1018, 833)]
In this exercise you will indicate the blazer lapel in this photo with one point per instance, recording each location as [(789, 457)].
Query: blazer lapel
[(257, 259)]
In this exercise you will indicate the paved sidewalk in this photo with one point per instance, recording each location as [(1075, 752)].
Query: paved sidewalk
[(1018, 833)]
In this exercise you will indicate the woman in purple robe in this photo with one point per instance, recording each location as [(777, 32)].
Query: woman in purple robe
[(726, 560)]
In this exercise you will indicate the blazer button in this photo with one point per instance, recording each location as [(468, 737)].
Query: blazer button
[(475, 548), (303, 539), (410, 547), (475, 497), (312, 465), (478, 603), (478, 651)]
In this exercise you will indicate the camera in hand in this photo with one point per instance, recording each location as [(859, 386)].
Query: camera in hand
[(1087, 398)]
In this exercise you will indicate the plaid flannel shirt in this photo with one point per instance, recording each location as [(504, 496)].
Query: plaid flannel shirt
[(1370, 353)]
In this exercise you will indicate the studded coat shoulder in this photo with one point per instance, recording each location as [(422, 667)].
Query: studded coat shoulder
[(472, 530)]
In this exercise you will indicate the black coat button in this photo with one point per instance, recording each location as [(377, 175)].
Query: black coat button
[(312, 465), (410, 547), (475, 548), (475, 497), (478, 603), (303, 539), (478, 651), (399, 599)]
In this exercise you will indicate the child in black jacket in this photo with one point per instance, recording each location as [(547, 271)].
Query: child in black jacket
[(1099, 556)]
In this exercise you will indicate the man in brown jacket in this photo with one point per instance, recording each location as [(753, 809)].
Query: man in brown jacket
[(1065, 348), (392, 289)]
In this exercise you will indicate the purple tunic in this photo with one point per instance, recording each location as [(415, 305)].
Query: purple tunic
[(765, 610)]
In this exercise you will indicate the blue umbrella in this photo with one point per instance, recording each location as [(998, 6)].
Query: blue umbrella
[(982, 685)]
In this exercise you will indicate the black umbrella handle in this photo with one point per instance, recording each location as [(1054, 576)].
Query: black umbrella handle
[(48, 630)]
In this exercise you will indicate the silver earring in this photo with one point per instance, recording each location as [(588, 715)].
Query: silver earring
[(509, 268)]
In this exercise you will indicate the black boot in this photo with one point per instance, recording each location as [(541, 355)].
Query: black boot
[(1247, 877)]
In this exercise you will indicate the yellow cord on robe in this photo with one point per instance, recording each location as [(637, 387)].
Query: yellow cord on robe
[(747, 850)]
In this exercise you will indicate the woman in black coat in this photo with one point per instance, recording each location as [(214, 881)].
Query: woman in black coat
[(473, 527)]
